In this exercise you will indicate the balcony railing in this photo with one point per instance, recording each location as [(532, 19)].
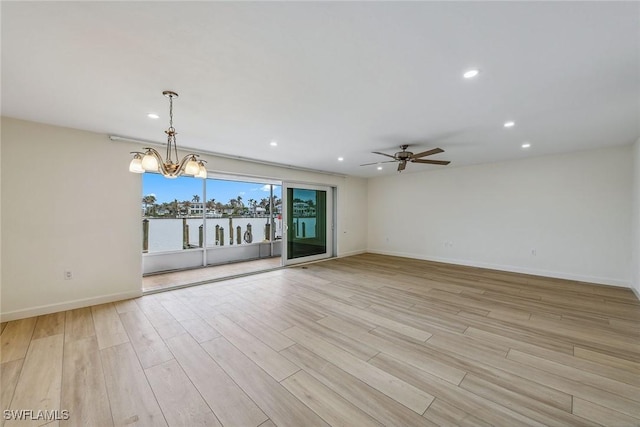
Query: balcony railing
[(178, 243)]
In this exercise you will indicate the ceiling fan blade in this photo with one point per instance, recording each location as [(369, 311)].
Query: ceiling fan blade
[(431, 162), (383, 154), (428, 153), (377, 163), (401, 166)]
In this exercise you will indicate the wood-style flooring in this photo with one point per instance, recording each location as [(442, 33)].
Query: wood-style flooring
[(368, 340), (175, 279)]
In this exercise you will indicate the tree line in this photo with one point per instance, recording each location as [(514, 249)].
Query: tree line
[(178, 208)]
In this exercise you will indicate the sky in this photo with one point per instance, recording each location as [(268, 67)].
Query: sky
[(184, 188)]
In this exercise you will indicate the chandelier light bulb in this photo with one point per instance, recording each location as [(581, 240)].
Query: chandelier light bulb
[(136, 164), (192, 167), (149, 162), (202, 172)]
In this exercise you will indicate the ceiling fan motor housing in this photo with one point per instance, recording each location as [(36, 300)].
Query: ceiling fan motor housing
[(404, 155)]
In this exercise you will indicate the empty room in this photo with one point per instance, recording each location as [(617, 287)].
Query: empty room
[(320, 213)]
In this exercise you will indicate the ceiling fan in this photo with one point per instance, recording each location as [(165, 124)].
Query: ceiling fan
[(405, 156)]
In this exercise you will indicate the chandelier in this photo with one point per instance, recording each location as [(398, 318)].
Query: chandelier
[(151, 160)]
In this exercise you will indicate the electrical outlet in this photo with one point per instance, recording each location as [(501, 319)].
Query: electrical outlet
[(68, 275)]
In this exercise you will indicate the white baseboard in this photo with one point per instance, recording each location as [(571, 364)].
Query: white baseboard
[(510, 268), (351, 253), (68, 305)]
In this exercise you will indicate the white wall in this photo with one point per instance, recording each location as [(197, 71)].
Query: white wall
[(635, 273), (573, 209), (352, 217), (77, 207)]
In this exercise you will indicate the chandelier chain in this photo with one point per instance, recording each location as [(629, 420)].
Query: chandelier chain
[(171, 132), (171, 113)]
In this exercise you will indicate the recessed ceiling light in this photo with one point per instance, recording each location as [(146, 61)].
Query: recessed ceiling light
[(379, 168), (509, 124), (273, 144), (526, 145), (470, 74), (340, 159), (153, 116)]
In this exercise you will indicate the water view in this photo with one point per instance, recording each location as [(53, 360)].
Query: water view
[(186, 213)]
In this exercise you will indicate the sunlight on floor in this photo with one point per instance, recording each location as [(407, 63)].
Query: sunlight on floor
[(188, 277)]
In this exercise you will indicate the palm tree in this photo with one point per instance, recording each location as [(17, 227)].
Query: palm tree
[(165, 207), (148, 200), (252, 206), (195, 198), (211, 205), (186, 205), (233, 204), (276, 201), (239, 199)]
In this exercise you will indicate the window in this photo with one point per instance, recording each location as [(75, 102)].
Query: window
[(173, 210), (240, 212), (189, 222)]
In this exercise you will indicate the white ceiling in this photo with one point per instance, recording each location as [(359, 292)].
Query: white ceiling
[(330, 79)]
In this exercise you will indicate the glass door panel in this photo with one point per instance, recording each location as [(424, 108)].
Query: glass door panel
[(309, 223)]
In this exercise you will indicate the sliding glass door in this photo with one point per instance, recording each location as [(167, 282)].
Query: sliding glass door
[(190, 223), (309, 222)]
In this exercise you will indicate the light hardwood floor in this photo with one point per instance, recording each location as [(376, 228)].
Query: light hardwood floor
[(164, 281), (365, 340)]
